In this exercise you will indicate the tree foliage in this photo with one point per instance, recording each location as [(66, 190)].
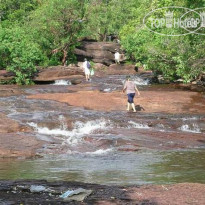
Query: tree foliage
[(45, 32), (20, 53), (59, 24), (173, 56)]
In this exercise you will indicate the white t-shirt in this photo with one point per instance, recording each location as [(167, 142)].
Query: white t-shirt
[(85, 67), (117, 56)]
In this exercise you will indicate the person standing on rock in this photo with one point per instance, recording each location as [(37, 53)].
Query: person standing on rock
[(117, 57), (130, 88), (86, 67)]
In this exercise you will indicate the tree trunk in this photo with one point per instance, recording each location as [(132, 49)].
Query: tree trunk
[(65, 53)]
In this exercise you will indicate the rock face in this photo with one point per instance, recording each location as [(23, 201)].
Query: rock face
[(153, 101), (113, 69), (7, 125), (122, 69), (17, 145), (13, 144), (6, 75), (58, 72), (10, 90), (98, 52)]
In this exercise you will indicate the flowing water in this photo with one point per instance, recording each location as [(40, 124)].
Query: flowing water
[(104, 147)]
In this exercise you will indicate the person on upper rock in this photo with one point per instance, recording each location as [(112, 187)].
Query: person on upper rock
[(86, 67), (117, 57)]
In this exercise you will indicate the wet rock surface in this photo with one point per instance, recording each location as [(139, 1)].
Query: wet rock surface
[(82, 132), (19, 192), (10, 90), (19, 145), (50, 108), (13, 192), (153, 100), (13, 143)]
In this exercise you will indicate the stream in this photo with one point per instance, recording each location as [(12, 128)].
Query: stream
[(112, 148)]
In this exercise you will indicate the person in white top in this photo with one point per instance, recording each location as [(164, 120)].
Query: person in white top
[(86, 67), (117, 57)]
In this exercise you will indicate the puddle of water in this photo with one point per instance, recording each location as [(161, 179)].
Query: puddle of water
[(145, 167)]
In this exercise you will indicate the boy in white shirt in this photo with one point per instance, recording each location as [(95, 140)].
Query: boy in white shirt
[(117, 57), (86, 67)]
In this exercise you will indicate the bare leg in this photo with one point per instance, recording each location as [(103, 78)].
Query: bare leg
[(133, 107), (128, 106)]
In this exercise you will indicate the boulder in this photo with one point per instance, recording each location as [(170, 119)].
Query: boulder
[(98, 52), (76, 81), (197, 88), (148, 75), (114, 69), (100, 66), (122, 69), (194, 82), (179, 81), (162, 80), (6, 76), (58, 72)]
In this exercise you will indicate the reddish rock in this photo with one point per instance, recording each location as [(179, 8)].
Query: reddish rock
[(197, 88), (6, 75), (100, 66), (76, 81), (189, 86), (103, 101), (13, 144), (17, 145), (122, 69), (8, 126), (128, 149), (172, 101), (58, 72), (98, 52), (177, 194), (56, 124), (10, 90)]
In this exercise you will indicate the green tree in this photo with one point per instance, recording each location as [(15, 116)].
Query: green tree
[(16, 10), (59, 26), (173, 56), (20, 54), (105, 17)]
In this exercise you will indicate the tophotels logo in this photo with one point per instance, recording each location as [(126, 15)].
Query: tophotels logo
[(176, 21)]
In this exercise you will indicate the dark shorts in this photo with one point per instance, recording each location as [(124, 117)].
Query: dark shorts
[(130, 97)]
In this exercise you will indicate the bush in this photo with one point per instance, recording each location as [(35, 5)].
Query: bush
[(22, 54)]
